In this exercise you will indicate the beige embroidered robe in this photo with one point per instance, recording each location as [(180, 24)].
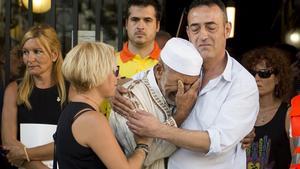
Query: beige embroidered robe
[(144, 97)]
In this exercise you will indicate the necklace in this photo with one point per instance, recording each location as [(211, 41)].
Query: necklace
[(266, 114), (263, 118), (96, 104)]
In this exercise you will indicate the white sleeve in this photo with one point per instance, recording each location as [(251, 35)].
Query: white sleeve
[(236, 118)]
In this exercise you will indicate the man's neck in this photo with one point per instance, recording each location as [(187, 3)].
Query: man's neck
[(212, 68), (143, 50)]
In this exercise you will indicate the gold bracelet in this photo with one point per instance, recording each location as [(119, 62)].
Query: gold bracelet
[(27, 156)]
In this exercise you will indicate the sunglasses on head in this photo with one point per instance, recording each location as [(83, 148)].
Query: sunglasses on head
[(263, 73)]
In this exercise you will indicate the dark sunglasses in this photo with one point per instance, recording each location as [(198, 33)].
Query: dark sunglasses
[(116, 71), (263, 73)]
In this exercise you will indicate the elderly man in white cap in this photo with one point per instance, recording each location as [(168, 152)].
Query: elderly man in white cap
[(178, 70)]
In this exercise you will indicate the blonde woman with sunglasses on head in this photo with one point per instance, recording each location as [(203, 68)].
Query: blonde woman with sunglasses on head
[(270, 148), (84, 138)]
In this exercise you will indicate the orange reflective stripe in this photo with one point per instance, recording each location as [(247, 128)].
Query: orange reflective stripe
[(297, 150), (295, 106), (295, 127), (295, 124), (295, 166), (295, 116)]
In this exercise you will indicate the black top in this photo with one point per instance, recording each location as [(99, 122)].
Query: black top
[(271, 148), (45, 104), (69, 153)]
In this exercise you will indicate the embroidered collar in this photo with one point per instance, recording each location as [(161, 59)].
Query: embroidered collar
[(157, 96), (126, 55), (153, 83)]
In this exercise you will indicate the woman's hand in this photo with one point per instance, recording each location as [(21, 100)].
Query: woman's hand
[(248, 140), (16, 155), (121, 104)]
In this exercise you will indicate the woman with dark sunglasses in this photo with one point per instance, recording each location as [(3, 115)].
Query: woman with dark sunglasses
[(271, 148)]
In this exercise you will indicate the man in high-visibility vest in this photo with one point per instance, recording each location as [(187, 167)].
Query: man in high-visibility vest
[(295, 131)]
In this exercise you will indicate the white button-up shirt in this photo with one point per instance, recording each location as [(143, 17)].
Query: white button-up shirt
[(226, 108)]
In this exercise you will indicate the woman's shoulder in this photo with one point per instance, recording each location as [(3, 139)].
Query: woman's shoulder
[(91, 121), (90, 127), (11, 91), (83, 111), (92, 116), (284, 106), (12, 86)]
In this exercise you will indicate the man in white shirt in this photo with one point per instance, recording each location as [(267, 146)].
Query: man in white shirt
[(226, 107)]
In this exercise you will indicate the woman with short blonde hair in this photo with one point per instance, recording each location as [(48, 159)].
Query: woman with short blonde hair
[(92, 65), (84, 138)]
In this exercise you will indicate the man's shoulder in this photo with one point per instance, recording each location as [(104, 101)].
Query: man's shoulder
[(140, 94), (241, 75), (140, 89), (136, 86), (236, 66), (132, 83)]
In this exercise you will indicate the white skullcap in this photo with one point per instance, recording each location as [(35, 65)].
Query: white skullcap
[(181, 56)]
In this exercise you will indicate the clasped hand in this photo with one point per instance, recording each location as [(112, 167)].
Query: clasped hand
[(16, 155)]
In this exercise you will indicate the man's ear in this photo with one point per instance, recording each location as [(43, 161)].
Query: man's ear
[(158, 70), (126, 23), (157, 26), (228, 28), (187, 32)]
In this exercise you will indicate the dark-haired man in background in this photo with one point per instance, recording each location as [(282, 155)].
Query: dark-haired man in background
[(141, 51)]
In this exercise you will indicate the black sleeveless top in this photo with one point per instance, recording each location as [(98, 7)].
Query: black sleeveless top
[(46, 107), (69, 153), (271, 147)]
